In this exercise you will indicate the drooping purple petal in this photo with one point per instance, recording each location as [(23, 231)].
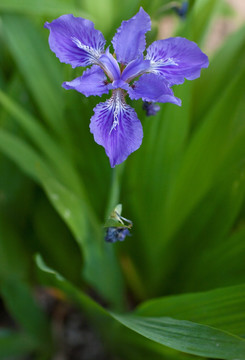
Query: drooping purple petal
[(176, 59), (110, 65), (151, 87), (129, 41), (135, 68), (92, 82), (75, 41), (116, 127)]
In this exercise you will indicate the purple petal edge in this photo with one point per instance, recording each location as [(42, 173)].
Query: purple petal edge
[(129, 40), (75, 41), (176, 59), (92, 82), (152, 87)]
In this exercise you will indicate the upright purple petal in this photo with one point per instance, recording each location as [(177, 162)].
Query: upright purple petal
[(119, 84), (116, 127), (92, 82), (176, 59), (129, 41), (110, 65), (151, 87), (75, 41), (135, 68)]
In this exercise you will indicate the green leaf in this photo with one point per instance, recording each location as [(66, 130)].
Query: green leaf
[(64, 245), (24, 156), (199, 167), (50, 277), (14, 260), (221, 308), (19, 301), (15, 344), (181, 335), (37, 134), (187, 336), (89, 235), (39, 69), (196, 26), (223, 262), (227, 62), (77, 213)]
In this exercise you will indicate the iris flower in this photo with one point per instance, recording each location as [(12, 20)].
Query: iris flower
[(168, 62)]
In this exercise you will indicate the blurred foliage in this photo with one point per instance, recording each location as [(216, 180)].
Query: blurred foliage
[(183, 189)]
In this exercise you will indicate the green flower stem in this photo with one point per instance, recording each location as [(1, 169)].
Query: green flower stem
[(114, 195)]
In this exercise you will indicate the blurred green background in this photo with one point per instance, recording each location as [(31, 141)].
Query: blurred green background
[(176, 288)]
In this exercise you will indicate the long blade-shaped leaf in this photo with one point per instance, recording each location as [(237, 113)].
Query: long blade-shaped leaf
[(187, 336), (221, 308), (44, 141), (39, 69)]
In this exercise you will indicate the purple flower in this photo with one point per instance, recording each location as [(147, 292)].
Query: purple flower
[(114, 234), (150, 108), (115, 124), (116, 229)]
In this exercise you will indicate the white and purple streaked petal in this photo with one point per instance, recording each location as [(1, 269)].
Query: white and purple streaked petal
[(110, 65), (176, 59), (129, 40), (92, 82), (75, 41), (116, 127), (135, 68), (151, 87)]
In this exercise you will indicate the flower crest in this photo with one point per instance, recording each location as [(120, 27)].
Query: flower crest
[(168, 62)]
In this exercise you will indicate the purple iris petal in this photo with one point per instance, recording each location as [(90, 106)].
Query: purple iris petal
[(116, 127), (75, 41), (92, 82), (135, 68), (151, 87), (110, 65), (176, 59), (129, 41)]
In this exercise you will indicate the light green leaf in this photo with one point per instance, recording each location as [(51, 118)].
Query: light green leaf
[(187, 336), (220, 308)]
